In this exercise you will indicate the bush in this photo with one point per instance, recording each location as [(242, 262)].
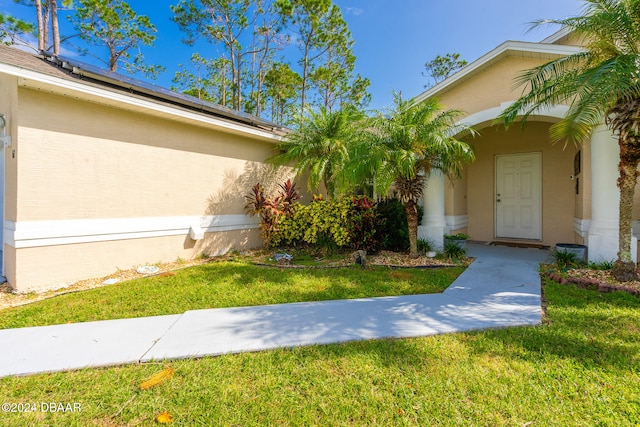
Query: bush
[(425, 245), (454, 251), (602, 265), (459, 236), (330, 224), (565, 259), (321, 222), (392, 230), (271, 210), (362, 224), (349, 222)]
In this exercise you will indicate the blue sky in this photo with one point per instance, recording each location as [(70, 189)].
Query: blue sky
[(393, 38)]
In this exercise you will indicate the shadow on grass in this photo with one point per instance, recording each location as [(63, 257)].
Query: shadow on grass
[(591, 328), (223, 285)]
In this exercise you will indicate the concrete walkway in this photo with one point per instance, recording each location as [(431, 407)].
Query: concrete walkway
[(501, 288)]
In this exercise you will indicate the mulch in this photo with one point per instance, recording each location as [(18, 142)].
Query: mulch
[(602, 280)]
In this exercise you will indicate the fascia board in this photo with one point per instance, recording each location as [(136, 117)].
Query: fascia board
[(43, 82), (557, 35)]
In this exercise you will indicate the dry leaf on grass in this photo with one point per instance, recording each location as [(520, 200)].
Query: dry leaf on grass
[(159, 378), (164, 418)]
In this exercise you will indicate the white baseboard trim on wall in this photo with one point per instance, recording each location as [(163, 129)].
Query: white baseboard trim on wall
[(581, 226), (29, 234), (456, 222)]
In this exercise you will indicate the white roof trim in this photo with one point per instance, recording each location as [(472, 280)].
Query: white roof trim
[(553, 38), (39, 81), (489, 115), (486, 59)]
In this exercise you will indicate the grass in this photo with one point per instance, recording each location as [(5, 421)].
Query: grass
[(580, 368), (225, 284)]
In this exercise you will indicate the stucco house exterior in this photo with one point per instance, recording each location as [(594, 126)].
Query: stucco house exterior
[(522, 188), (101, 172)]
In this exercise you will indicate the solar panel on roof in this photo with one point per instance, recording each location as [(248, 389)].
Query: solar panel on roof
[(130, 83)]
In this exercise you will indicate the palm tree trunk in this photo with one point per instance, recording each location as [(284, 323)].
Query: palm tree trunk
[(625, 268), (411, 209)]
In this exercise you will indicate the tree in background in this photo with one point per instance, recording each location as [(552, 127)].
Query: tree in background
[(405, 144), (209, 82), (442, 67), (47, 22), (14, 31), (600, 85), (245, 30), (249, 35), (268, 39), (332, 72), (325, 44), (114, 25), (282, 86)]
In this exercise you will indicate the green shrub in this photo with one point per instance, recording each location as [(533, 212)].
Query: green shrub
[(271, 209), (425, 245), (454, 251), (362, 225), (320, 221), (330, 224), (565, 259), (602, 265), (392, 229), (459, 236)]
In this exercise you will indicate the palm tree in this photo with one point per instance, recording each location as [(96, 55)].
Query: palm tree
[(404, 146), (320, 146), (600, 84)]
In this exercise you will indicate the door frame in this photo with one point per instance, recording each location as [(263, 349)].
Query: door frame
[(537, 154)]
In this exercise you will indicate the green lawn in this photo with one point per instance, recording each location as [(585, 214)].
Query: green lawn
[(580, 368), (226, 284)]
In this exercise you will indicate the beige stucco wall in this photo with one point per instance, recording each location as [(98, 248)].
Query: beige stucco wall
[(558, 195), (51, 267), (489, 88), (455, 200), (78, 160), (83, 160)]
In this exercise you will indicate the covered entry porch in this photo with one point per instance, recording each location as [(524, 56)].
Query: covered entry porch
[(524, 189)]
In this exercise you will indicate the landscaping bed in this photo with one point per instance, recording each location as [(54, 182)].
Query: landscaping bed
[(382, 258), (601, 280)]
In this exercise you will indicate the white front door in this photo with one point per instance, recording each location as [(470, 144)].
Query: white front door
[(518, 197)]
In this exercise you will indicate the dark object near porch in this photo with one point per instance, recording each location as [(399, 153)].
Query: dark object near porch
[(359, 257), (579, 250)]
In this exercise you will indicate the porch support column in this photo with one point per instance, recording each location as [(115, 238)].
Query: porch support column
[(433, 220), (602, 238)]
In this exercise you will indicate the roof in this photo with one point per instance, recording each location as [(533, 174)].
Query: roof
[(543, 50), (37, 70)]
